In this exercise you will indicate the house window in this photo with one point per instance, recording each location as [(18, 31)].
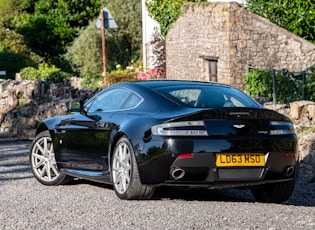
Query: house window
[(212, 67)]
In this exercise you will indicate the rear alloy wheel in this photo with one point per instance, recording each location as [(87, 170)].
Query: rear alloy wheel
[(274, 193), (43, 162), (125, 175)]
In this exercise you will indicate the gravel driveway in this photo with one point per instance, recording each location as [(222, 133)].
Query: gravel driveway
[(26, 204)]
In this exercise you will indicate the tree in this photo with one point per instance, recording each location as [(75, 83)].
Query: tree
[(14, 54), (6, 6), (297, 16), (166, 12), (48, 26), (123, 45), (7, 12), (13, 62), (159, 51), (85, 54)]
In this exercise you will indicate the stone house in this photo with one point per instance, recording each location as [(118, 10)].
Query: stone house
[(215, 41), (150, 26)]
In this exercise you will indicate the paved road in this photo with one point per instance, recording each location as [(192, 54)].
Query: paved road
[(26, 204)]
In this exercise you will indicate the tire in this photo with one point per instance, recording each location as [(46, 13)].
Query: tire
[(274, 193), (43, 162), (125, 174)]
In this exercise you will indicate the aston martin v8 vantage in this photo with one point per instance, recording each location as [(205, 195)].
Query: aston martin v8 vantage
[(141, 135)]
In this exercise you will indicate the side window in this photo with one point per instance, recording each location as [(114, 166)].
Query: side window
[(110, 100), (132, 101)]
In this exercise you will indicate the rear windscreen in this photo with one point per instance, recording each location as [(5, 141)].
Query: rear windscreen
[(208, 96)]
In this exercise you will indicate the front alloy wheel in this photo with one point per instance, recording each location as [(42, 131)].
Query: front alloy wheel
[(43, 162), (125, 175)]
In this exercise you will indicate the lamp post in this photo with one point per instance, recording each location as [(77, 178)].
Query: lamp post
[(105, 21), (103, 47)]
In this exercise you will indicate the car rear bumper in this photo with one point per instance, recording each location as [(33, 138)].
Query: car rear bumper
[(219, 185), (277, 167), (163, 164)]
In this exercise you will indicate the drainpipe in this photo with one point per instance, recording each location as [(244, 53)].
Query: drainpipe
[(274, 86), (144, 34)]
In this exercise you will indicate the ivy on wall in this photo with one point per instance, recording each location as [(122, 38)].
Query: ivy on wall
[(166, 12)]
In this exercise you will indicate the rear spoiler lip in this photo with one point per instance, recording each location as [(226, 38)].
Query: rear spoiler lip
[(234, 113)]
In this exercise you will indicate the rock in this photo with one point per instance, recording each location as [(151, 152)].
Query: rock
[(24, 104), (311, 111), (299, 109)]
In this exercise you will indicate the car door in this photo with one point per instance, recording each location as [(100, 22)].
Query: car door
[(87, 135)]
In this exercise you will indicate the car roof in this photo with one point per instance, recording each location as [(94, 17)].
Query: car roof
[(165, 82)]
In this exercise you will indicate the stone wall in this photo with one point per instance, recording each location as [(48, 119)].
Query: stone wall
[(302, 114), (235, 35), (23, 104)]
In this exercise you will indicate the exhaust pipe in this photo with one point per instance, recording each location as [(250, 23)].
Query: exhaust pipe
[(177, 173), (289, 171)]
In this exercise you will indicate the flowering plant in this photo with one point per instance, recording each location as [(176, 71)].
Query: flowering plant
[(154, 73)]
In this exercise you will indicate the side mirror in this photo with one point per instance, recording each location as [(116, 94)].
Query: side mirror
[(75, 106)]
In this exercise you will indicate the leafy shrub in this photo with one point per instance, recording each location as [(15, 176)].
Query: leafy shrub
[(115, 76), (92, 83), (131, 74), (310, 85), (13, 62), (259, 83), (289, 86), (45, 72), (14, 54), (122, 75)]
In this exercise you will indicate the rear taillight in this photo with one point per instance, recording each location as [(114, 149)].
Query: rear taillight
[(182, 128), (289, 154), (281, 128), (185, 156)]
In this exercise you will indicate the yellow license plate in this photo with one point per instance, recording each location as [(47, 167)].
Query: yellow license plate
[(235, 159)]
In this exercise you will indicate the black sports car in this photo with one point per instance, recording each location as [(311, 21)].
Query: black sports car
[(140, 135)]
